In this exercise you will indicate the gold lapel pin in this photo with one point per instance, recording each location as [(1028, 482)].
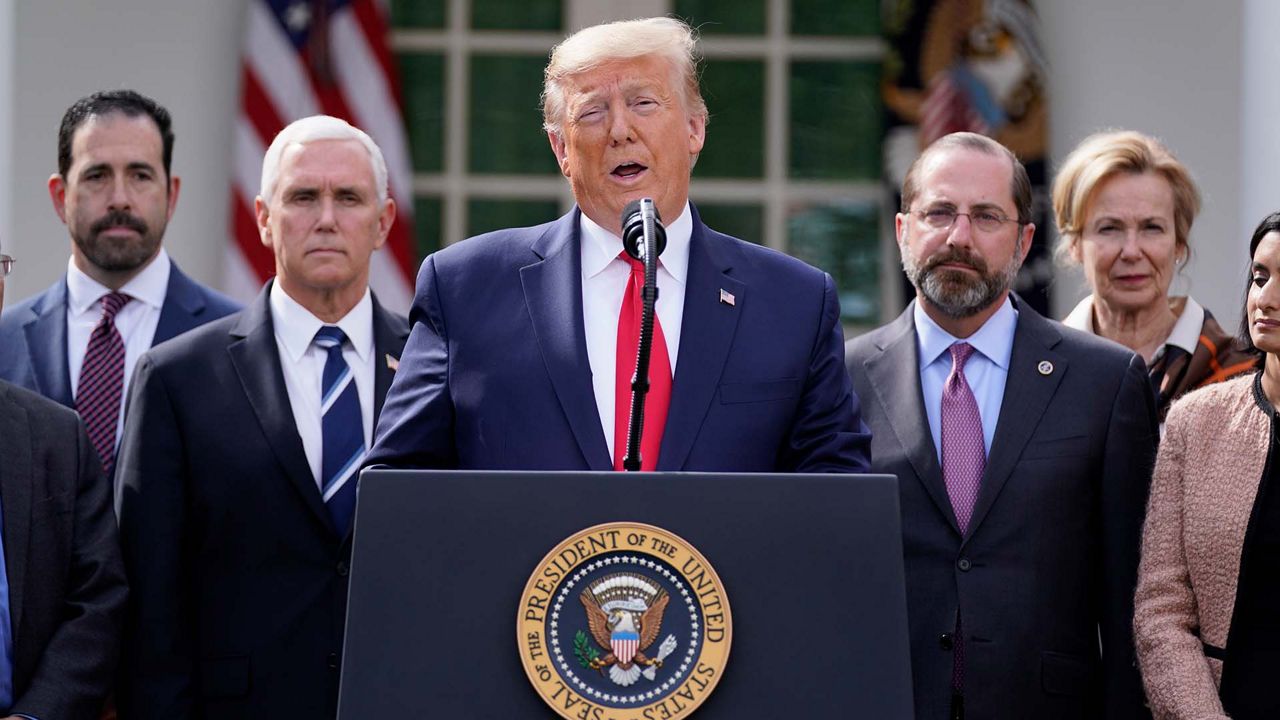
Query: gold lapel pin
[(1045, 367), (393, 363)]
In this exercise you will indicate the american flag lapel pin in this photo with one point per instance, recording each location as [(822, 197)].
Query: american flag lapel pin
[(726, 297), (393, 363)]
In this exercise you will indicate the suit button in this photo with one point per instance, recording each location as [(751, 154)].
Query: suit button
[(964, 564), (342, 568), (945, 642), (333, 661)]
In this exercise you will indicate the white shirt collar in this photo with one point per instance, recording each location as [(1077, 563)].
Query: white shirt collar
[(994, 339), (600, 247), (1185, 333), (296, 326), (148, 286)]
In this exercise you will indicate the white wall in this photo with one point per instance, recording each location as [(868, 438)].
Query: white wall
[(6, 120), (1170, 68), (184, 53), (1260, 123)]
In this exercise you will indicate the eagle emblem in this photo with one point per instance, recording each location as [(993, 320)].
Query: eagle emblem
[(624, 614)]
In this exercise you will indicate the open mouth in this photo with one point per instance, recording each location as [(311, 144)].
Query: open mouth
[(627, 171)]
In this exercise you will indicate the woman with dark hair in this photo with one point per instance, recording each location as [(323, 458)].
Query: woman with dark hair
[(1205, 620)]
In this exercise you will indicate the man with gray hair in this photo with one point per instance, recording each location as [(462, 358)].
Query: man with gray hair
[(237, 470), (746, 370), (1023, 451)]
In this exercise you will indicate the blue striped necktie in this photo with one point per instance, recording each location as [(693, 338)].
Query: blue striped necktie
[(343, 430)]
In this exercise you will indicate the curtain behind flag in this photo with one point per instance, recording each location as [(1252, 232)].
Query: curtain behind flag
[(977, 66), (308, 57)]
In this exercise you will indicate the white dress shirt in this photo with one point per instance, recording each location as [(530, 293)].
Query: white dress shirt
[(604, 280), (303, 365), (136, 322), (986, 371)]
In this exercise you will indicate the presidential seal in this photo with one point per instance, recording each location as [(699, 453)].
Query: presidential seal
[(624, 621)]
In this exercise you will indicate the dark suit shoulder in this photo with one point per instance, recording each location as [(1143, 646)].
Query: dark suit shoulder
[(200, 340), (496, 247), (42, 412), (765, 259), (17, 314), (1091, 347)]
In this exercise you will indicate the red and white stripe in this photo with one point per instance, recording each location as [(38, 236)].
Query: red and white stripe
[(278, 86)]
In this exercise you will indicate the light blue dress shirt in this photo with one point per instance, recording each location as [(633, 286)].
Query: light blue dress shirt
[(986, 371)]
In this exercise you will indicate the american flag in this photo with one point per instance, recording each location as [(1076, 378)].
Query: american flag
[(308, 57)]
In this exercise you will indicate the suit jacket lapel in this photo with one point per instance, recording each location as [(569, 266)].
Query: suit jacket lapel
[(389, 335), (15, 497), (553, 292), (1027, 393), (47, 345), (182, 303), (895, 375), (256, 359), (706, 335)]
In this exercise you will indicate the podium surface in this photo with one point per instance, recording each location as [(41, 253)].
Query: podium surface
[(811, 566)]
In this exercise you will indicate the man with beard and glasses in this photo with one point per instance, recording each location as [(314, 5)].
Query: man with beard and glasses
[(77, 341), (1023, 451)]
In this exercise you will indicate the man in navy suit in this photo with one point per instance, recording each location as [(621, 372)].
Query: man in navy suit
[(1023, 451), (238, 465), (115, 193), (513, 360)]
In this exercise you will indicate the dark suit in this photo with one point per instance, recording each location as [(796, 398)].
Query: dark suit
[(240, 579), (496, 375), (1051, 554), (66, 583), (33, 333)]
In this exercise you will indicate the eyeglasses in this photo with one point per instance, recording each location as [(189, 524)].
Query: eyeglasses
[(988, 221), (6, 265)]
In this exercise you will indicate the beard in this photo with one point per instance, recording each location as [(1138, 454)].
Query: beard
[(955, 293), (114, 254)]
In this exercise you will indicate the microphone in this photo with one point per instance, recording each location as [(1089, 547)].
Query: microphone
[(634, 217)]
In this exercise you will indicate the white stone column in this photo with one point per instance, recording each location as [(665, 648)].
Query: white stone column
[(1259, 129)]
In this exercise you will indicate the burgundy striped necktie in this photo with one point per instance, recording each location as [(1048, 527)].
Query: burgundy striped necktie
[(102, 381)]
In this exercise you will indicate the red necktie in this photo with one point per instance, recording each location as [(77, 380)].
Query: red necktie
[(659, 397), (102, 381)]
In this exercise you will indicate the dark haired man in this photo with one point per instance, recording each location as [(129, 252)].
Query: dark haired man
[(1023, 452), (77, 341)]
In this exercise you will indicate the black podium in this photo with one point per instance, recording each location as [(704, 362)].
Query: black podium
[(811, 566)]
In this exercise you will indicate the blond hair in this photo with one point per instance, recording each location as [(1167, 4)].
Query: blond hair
[(591, 47), (1104, 155)]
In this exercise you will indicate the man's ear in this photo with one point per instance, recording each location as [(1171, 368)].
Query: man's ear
[(263, 215), (560, 151), (58, 194)]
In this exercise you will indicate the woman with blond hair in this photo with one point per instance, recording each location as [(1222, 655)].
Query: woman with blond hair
[(1124, 207)]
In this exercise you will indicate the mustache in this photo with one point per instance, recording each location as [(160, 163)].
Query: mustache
[(119, 218), (956, 256)]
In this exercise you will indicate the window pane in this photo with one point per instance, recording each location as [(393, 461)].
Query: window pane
[(516, 15), (417, 13), (489, 214), (843, 239), (423, 85), (836, 120), (506, 124), (724, 17), (835, 17), (734, 91), (428, 225), (745, 222)]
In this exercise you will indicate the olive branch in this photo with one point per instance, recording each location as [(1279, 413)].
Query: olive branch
[(585, 651)]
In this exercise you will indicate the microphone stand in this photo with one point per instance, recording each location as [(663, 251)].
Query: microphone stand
[(644, 348)]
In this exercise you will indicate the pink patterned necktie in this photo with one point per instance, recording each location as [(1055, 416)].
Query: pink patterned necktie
[(102, 381), (964, 455)]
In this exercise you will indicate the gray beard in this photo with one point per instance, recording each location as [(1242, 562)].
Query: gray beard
[(956, 294)]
